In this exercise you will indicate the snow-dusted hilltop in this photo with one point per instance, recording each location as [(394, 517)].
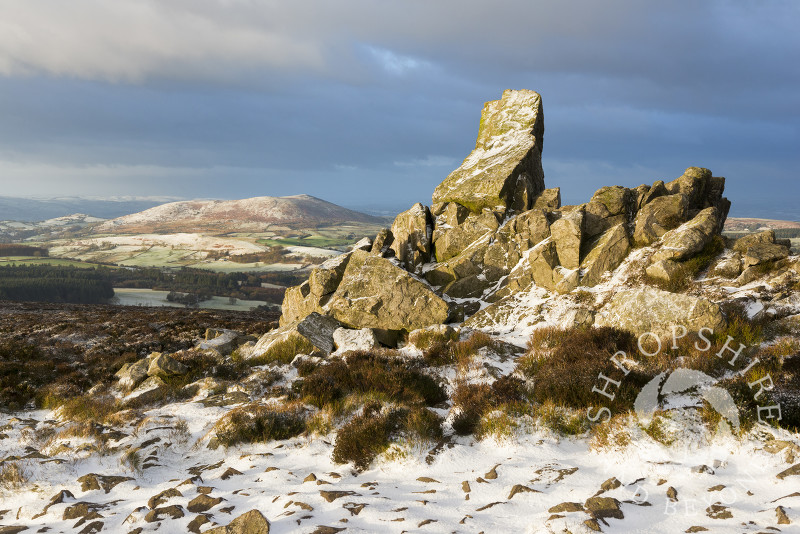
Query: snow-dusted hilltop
[(247, 214)]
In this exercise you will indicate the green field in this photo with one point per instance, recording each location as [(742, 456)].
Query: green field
[(31, 260)]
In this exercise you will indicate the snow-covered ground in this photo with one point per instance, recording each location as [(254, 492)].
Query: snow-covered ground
[(464, 486)]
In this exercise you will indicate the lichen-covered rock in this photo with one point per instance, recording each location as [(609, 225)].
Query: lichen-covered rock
[(729, 267), (382, 243), (762, 253), (457, 228), (164, 366), (131, 375), (375, 293), (659, 216), (536, 268), (412, 231), (664, 270), (758, 238), (658, 189), (689, 238), (615, 198), (606, 254), (567, 234), (647, 309), (693, 183), (549, 200), (505, 168)]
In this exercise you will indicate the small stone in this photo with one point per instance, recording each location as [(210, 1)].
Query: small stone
[(230, 472), (610, 484), (310, 478), (465, 487), (428, 480), (492, 474), (331, 496), (783, 519), (672, 494), (519, 488), (566, 507), (718, 511)]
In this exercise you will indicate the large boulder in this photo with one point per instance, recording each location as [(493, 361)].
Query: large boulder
[(758, 238), (310, 296), (375, 293), (764, 253), (647, 309), (689, 238), (504, 171), (412, 231), (605, 254), (659, 216)]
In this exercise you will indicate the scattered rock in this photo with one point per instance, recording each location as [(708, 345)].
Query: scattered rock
[(672, 494), (174, 511), (202, 503), (718, 511), (163, 366), (519, 488), (93, 481), (603, 507), (792, 471), (783, 519), (160, 498), (252, 522), (195, 524), (331, 496), (566, 507), (230, 472)]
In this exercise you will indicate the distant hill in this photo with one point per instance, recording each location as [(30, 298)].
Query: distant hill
[(42, 209), (750, 224), (220, 216)]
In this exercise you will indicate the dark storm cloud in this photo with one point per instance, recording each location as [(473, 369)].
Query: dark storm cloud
[(367, 102)]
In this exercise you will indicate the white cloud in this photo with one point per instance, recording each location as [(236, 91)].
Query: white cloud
[(428, 161)]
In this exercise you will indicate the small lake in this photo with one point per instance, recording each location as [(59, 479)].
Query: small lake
[(153, 297)]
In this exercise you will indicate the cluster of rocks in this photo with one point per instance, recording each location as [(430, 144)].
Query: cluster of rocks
[(493, 231)]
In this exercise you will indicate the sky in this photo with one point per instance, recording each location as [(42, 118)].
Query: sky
[(371, 103)]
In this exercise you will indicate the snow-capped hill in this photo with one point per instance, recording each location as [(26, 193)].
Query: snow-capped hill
[(225, 215)]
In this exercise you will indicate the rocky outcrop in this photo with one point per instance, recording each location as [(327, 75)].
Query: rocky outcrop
[(494, 233), (504, 171)]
